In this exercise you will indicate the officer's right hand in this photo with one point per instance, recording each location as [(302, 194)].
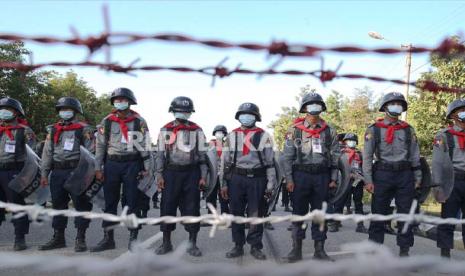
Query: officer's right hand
[(290, 186), (99, 175), (161, 184), (224, 193), (370, 187), (44, 181)]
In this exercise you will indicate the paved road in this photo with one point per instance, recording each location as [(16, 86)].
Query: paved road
[(277, 244)]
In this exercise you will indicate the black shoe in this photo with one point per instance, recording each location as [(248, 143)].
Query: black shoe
[(333, 227), (320, 253), (192, 249), (133, 233), (403, 252), (296, 252), (57, 241), (80, 244), (237, 251), (107, 243), (445, 253), (361, 228), (20, 243), (268, 226), (287, 209), (257, 253), (164, 248)]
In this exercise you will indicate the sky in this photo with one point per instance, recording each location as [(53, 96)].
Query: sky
[(326, 23)]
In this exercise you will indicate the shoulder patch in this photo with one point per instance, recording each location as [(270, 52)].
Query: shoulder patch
[(368, 136)]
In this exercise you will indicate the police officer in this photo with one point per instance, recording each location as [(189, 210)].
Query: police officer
[(310, 157), (451, 142), (396, 172), (60, 156), (247, 175), (353, 157), (121, 151), (181, 172), (12, 157), (220, 132)]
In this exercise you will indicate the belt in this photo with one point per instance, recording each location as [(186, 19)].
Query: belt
[(181, 168), (257, 172), (11, 166), (459, 175), (393, 166), (311, 168), (71, 164), (123, 158)]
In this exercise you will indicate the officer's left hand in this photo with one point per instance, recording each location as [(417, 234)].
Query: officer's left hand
[(417, 185), (332, 185), (202, 184)]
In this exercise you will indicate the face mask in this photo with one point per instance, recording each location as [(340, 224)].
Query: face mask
[(6, 114), (247, 120), (219, 135), (461, 116), (395, 110), (351, 144), (66, 114), (182, 115), (314, 109), (121, 105)]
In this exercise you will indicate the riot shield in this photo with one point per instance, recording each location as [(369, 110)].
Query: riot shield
[(27, 180), (148, 184), (344, 184), (442, 174), (426, 182), (212, 175), (278, 185)]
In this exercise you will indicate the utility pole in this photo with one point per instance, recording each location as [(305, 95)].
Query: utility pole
[(407, 80)]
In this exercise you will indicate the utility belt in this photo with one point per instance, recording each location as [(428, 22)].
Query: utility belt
[(252, 173), (11, 166), (181, 168), (65, 165), (459, 175), (393, 166), (123, 158), (311, 168)]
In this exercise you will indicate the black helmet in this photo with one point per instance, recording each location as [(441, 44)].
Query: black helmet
[(181, 104), (220, 128), (249, 108), (69, 102), (454, 106), (351, 136), (393, 97), (15, 104), (311, 97), (123, 92)]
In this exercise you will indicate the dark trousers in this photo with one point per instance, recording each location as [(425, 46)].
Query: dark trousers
[(355, 193), (155, 197), (21, 224), (117, 174), (285, 195), (181, 191), (214, 196), (61, 198), (310, 189), (247, 194), (388, 185), (453, 205)]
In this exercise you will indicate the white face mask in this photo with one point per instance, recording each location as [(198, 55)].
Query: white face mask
[(395, 109), (6, 114), (66, 114), (351, 144), (121, 105), (219, 135), (461, 116), (247, 120), (182, 115), (314, 109)]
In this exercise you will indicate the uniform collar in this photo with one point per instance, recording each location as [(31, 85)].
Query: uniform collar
[(317, 125), (457, 128), (66, 123), (389, 122)]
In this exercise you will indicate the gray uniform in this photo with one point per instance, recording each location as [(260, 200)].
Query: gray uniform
[(458, 155), (66, 149), (251, 160), (390, 153), (115, 146), (310, 153), (8, 151)]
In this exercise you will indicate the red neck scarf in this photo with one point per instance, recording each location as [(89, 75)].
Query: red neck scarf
[(123, 122), (390, 129), (460, 136), (353, 155), (299, 123), (248, 133), (22, 121), (59, 128), (7, 129), (219, 147), (175, 128)]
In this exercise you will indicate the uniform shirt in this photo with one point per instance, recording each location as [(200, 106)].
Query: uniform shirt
[(8, 146), (186, 147), (395, 152), (252, 159), (329, 156), (66, 149), (355, 165), (116, 145), (217, 147), (458, 156)]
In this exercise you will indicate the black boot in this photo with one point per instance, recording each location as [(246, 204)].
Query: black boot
[(361, 228), (333, 226), (403, 252), (107, 243), (257, 253), (320, 253), (80, 244), (445, 253), (192, 249), (20, 243), (296, 251), (57, 241), (166, 247), (133, 233), (237, 251)]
